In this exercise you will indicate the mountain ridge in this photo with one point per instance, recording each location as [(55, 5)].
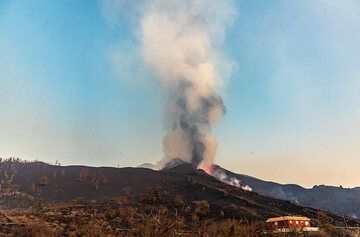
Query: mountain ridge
[(345, 201), (335, 199), (23, 183)]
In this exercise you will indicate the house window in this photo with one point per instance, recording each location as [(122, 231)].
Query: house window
[(297, 222), (306, 223), (276, 223), (290, 221)]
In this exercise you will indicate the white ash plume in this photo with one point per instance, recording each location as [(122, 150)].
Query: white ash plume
[(179, 42), (223, 177)]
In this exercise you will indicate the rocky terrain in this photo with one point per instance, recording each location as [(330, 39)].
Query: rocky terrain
[(180, 199)]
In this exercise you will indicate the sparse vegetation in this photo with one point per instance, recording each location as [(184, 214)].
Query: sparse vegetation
[(83, 174), (39, 209), (152, 196), (43, 180), (112, 218), (127, 190), (202, 208), (58, 201), (179, 202), (98, 179), (324, 220), (79, 201)]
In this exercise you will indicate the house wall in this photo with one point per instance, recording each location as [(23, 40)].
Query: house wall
[(290, 224)]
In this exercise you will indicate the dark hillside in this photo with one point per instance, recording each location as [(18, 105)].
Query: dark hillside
[(23, 183), (334, 199)]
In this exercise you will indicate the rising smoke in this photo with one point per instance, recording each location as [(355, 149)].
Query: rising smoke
[(180, 42), (233, 181)]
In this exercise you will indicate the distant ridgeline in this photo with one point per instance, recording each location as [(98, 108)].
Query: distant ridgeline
[(334, 199)]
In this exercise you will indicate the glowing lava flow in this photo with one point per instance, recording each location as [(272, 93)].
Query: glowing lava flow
[(207, 169)]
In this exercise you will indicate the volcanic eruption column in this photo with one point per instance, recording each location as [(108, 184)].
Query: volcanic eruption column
[(180, 42)]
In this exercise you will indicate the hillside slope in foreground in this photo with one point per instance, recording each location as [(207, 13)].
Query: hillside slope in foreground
[(59, 194)]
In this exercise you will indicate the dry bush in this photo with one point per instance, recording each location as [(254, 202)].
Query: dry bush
[(79, 201), (152, 196), (36, 230), (126, 217), (230, 227), (158, 225), (127, 191), (113, 218), (43, 181), (39, 209), (83, 174), (103, 178), (179, 201), (343, 232), (98, 179), (90, 229), (324, 220), (202, 208)]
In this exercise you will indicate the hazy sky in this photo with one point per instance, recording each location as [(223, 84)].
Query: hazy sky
[(293, 98)]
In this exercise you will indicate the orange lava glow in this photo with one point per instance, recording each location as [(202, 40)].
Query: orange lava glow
[(207, 169)]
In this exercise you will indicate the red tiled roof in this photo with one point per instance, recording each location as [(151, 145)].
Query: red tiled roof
[(286, 218)]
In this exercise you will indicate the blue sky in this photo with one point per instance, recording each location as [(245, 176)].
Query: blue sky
[(292, 99)]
